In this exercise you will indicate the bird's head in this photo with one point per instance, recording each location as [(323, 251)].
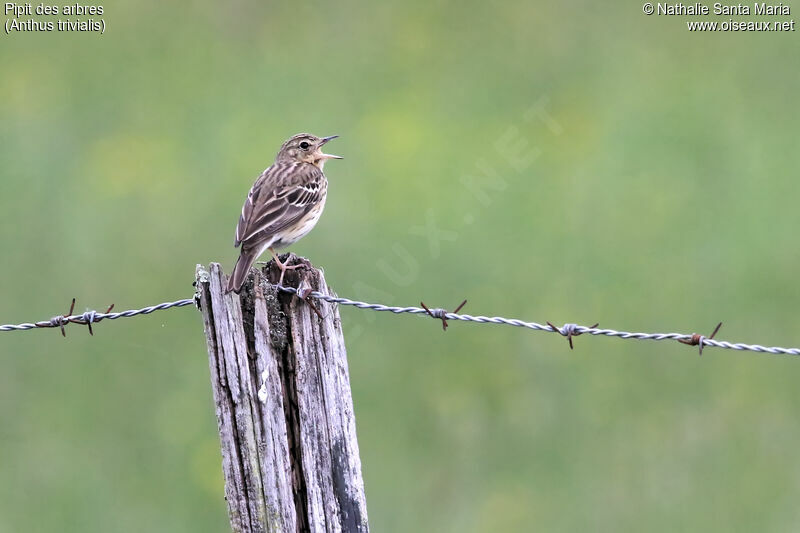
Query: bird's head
[(306, 148)]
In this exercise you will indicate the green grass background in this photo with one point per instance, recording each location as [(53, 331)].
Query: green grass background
[(663, 197)]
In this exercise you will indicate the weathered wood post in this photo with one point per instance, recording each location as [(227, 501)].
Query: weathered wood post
[(284, 407)]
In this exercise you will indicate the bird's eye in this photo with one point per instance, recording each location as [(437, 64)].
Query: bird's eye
[(304, 145)]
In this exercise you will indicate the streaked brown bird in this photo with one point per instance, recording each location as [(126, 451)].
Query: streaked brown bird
[(283, 205)]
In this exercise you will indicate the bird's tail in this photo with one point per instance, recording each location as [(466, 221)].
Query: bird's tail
[(239, 274)]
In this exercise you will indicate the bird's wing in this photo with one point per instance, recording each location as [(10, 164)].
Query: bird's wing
[(281, 196)]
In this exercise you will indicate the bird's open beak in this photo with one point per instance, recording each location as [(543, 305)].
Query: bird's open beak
[(322, 143)]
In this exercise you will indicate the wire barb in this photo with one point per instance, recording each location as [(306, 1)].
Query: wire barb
[(59, 321), (441, 313), (304, 293), (697, 339), (571, 330)]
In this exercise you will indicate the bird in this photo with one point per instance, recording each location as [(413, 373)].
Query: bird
[(283, 205)]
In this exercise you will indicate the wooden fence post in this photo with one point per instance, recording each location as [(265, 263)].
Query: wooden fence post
[(284, 408)]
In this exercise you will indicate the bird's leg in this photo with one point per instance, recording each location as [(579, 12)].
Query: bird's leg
[(282, 266)]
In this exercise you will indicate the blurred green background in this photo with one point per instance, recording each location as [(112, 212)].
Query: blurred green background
[(651, 186)]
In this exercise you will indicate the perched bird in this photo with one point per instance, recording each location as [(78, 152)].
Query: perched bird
[(283, 205)]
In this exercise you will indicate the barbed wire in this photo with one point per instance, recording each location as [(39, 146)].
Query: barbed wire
[(567, 330), (93, 317)]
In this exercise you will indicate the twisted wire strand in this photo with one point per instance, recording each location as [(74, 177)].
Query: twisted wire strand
[(92, 317), (572, 329)]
